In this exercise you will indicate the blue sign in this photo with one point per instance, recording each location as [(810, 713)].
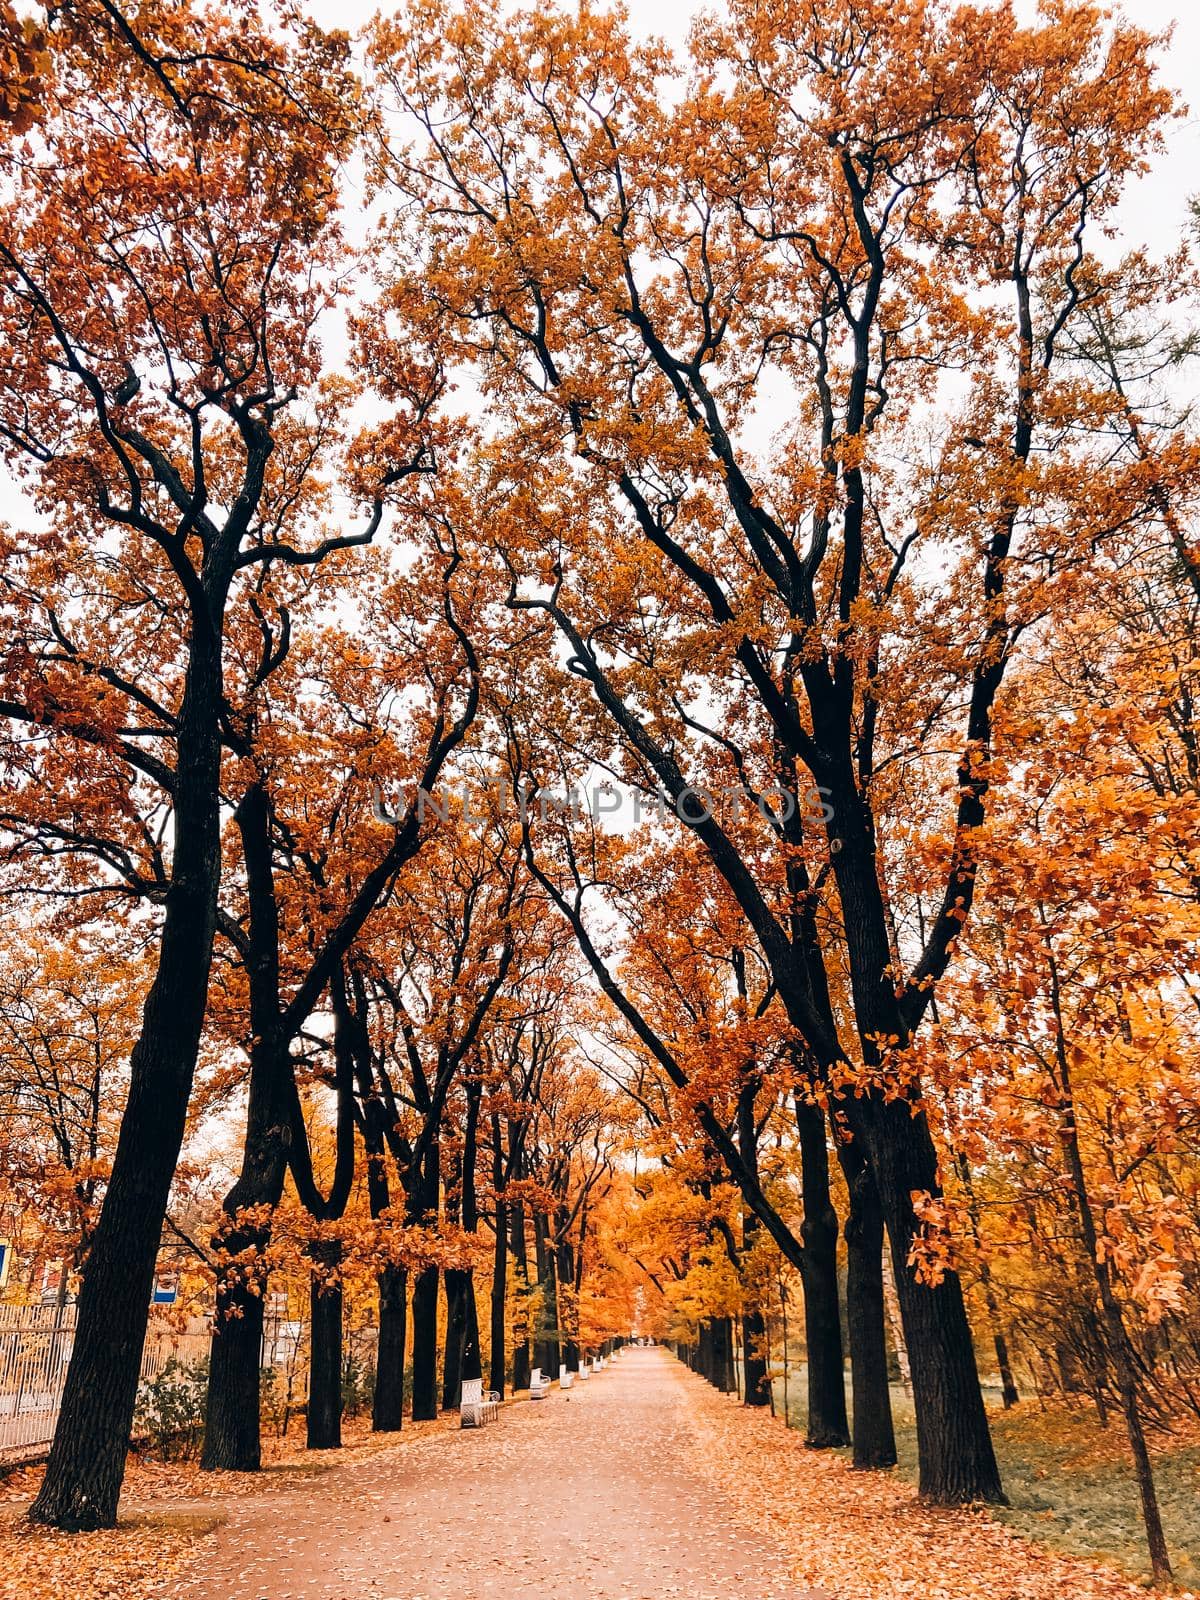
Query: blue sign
[(5, 1260), (165, 1294)]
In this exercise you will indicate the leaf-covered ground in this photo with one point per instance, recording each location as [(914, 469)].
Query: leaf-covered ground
[(865, 1536), (1070, 1483), (642, 1484), (167, 1507), (143, 1556)]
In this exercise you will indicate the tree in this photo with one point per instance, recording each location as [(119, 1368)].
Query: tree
[(317, 864), (702, 1009), (831, 201), (25, 62), (162, 271), (66, 1023), (1073, 1017)]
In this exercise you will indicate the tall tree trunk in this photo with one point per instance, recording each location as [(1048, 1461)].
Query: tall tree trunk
[(546, 1346), (469, 1360), (564, 1277), (231, 1422), (457, 1283), (325, 1349), (705, 1364), (391, 1282), (754, 1342), (1009, 1392), (498, 1366), (726, 1380), (387, 1409), (754, 1331), (456, 1295), (82, 1483), (873, 1437), (425, 1206), (827, 1422), (472, 1356), (232, 1434), (521, 1364), (954, 1445), (424, 1366)]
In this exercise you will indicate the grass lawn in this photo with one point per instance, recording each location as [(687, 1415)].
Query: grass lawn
[(1069, 1482)]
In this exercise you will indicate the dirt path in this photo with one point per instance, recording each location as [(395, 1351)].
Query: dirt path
[(585, 1496)]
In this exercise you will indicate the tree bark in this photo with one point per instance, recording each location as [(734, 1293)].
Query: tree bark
[(754, 1342), (827, 1422), (497, 1364), (325, 1350), (705, 1363), (425, 1205), (82, 1483), (725, 1378), (1010, 1394), (469, 1359), (472, 1356), (232, 1433), (873, 1436), (521, 1365), (546, 1346), (754, 1329), (457, 1283), (387, 1409), (424, 1366), (232, 1440), (564, 1278), (954, 1445)]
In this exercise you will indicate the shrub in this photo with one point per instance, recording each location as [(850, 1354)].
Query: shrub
[(169, 1413)]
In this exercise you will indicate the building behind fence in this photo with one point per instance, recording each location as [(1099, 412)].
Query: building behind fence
[(35, 1350)]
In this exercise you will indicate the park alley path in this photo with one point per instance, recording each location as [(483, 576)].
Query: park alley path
[(584, 1496)]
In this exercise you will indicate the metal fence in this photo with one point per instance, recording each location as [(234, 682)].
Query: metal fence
[(35, 1347), (35, 1350)]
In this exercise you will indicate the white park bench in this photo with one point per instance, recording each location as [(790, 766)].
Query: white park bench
[(539, 1387), (584, 1368), (565, 1378), (477, 1407)]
